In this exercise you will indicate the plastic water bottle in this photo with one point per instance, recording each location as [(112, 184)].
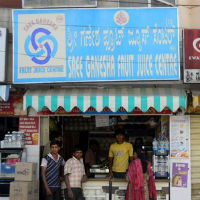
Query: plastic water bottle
[(155, 144), (162, 143), (166, 165), (155, 164), (162, 165), (159, 165), (167, 144)]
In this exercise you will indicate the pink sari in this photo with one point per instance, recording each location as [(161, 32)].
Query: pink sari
[(135, 190), (151, 183)]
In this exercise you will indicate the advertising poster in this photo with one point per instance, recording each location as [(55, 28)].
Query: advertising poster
[(102, 121), (91, 45), (13, 107), (180, 175), (180, 159), (192, 55), (30, 127), (179, 137), (165, 126)]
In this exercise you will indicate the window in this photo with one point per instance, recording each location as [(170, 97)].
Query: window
[(147, 3)]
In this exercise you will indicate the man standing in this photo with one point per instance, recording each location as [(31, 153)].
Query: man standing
[(51, 165), (74, 172), (119, 155)]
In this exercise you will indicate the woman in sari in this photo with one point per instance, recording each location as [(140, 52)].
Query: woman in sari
[(141, 180)]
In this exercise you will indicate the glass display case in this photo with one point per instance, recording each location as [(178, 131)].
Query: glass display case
[(8, 159)]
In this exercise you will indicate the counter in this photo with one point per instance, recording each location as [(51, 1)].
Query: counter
[(162, 188), (98, 189)]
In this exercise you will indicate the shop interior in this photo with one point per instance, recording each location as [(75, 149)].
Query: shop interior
[(151, 130)]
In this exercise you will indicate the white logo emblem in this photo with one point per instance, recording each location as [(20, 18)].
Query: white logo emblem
[(196, 44), (121, 17)]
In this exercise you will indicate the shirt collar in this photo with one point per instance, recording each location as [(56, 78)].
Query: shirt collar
[(81, 160), (50, 155)]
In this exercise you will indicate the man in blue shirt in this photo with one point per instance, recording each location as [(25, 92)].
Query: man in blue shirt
[(51, 165)]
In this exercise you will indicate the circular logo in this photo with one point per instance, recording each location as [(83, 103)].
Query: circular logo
[(121, 17), (196, 44), (41, 46)]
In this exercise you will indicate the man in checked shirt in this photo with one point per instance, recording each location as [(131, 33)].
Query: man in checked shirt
[(74, 172)]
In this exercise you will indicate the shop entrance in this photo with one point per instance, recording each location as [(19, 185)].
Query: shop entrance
[(150, 131)]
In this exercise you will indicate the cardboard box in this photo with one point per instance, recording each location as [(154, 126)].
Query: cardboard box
[(25, 171), (35, 190), (24, 190)]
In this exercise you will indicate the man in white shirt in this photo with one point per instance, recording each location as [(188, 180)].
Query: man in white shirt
[(74, 172)]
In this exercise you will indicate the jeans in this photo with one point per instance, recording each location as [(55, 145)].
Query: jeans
[(77, 194), (55, 194)]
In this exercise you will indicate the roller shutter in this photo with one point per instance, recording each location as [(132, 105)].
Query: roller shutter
[(195, 156)]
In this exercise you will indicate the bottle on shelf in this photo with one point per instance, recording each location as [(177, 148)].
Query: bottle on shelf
[(155, 144)]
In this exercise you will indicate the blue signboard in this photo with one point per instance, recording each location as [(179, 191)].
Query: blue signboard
[(91, 45)]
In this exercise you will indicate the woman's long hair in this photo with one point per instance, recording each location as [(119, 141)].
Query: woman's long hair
[(142, 156)]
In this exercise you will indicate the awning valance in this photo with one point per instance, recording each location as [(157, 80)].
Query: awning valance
[(114, 99), (4, 92)]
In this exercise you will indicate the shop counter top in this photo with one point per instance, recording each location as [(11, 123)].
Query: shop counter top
[(95, 183), (107, 179)]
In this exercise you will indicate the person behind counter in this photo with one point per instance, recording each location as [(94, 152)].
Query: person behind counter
[(51, 165), (141, 180), (74, 172), (119, 155), (91, 155), (138, 143)]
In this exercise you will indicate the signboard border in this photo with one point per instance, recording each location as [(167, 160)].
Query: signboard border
[(62, 79)]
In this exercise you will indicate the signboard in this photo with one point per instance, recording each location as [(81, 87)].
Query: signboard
[(3, 42), (180, 175), (180, 179), (102, 121), (179, 139), (30, 127), (4, 92), (192, 55), (91, 45), (180, 159), (13, 107), (58, 3)]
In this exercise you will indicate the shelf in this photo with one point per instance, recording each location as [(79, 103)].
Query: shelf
[(13, 148), (161, 152), (7, 177)]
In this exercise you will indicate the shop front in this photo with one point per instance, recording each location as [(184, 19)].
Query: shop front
[(192, 78), (92, 59), (83, 115)]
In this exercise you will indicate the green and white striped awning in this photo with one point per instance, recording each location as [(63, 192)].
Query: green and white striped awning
[(128, 98)]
